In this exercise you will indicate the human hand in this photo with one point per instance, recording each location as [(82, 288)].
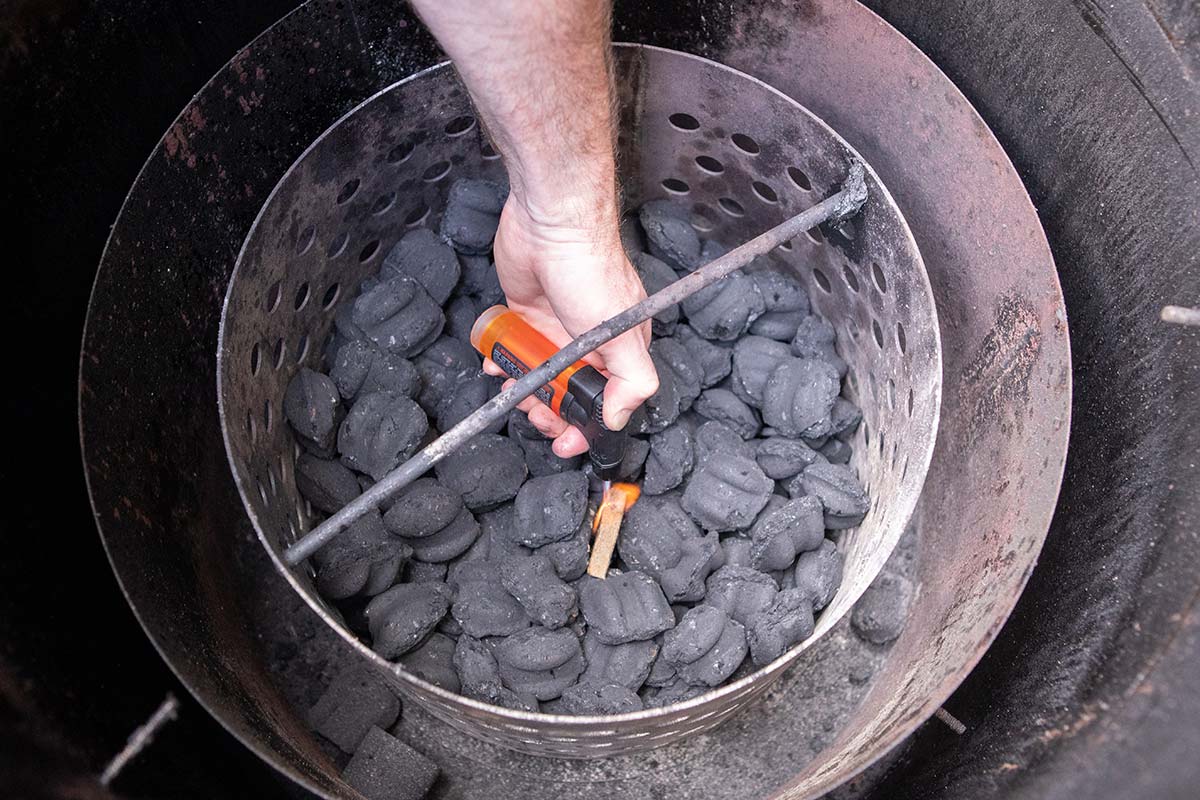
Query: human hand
[(564, 279)]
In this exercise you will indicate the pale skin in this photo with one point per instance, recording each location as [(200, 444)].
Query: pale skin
[(538, 72)]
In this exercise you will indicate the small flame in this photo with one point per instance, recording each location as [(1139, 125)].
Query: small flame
[(618, 498)]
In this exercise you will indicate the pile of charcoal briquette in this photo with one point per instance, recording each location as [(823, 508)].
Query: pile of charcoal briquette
[(473, 578)]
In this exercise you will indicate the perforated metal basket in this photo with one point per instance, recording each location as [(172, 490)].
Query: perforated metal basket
[(743, 157)]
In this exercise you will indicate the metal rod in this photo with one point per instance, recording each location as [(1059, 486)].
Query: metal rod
[(1181, 315), (837, 207), (952, 722), (140, 739)]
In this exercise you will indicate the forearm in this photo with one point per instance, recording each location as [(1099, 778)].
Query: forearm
[(538, 72)]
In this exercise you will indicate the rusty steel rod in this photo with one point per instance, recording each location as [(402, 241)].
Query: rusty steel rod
[(839, 206)]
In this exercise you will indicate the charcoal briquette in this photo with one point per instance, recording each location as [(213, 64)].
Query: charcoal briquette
[(781, 458), (482, 606), (399, 316), (450, 542), (570, 556), (726, 493), (741, 592), (786, 622), (671, 459), (624, 607), (706, 646), (781, 291), (363, 560), (754, 359), (433, 662), (779, 536), (671, 355), (326, 484), (670, 236), (799, 397), (479, 676), (313, 408), (460, 318), (422, 508), (662, 672), (637, 450), (663, 407), (422, 572), (466, 398), (472, 214), (626, 664), (551, 508), (385, 768), (479, 276), (659, 539), (362, 368), (546, 598), (845, 501), (587, 698), (819, 573), (718, 440), (677, 691), (539, 661), (539, 454), (425, 258), (722, 405), (656, 275), (844, 419), (880, 613), (381, 431), (815, 338), (724, 310), (442, 366), (404, 615), (486, 471), (355, 701), (836, 451), (713, 360), (778, 325)]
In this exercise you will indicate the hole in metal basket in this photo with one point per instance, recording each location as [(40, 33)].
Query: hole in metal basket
[(331, 296), (702, 218), (338, 245), (255, 359), (368, 250), (251, 428), (731, 207), (348, 191), (891, 394), (901, 340), (262, 490), (877, 333), (383, 203), (400, 153), (786, 246), (800, 179), (460, 125), (910, 402), (822, 281), (851, 278), (302, 348), (684, 122), (710, 164), (278, 353), (815, 236), (676, 186), (417, 215), (301, 296), (306, 239), (764, 192), (866, 429), (878, 276), (273, 296), (435, 171), (488, 152), (268, 419), (744, 143)]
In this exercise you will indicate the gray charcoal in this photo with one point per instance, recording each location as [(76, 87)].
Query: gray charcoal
[(313, 408), (815, 338), (880, 613), (659, 539), (670, 235), (325, 483), (844, 419), (404, 615), (433, 662), (713, 360), (423, 508), (482, 606), (663, 407), (599, 699), (795, 527), (343, 323), (381, 431), (706, 646), (364, 560), (450, 542), (539, 455), (819, 573), (551, 508), (799, 397), (741, 592), (399, 316), (421, 572), (425, 258), (781, 458), (724, 310), (845, 501), (722, 405), (671, 459), (755, 358), (836, 451), (362, 368), (547, 600), (626, 664), (670, 354), (480, 280), (778, 325), (781, 291), (636, 452), (662, 672), (656, 275), (570, 556), (486, 471), (726, 493), (498, 536), (385, 768), (718, 440), (354, 702), (479, 675), (460, 318), (442, 366), (466, 398), (736, 550), (540, 662), (624, 607), (675, 692), (472, 214), (786, 622)]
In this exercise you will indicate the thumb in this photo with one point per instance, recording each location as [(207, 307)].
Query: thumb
[(632, 377)]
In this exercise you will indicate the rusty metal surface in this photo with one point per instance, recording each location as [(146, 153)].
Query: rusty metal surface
[(349, 199)]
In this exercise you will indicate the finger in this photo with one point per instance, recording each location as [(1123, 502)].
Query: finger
[(492, 368), (570, 443), (632, 378), (547, 421)]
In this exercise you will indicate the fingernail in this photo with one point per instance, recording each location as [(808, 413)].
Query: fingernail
[(621, 417)]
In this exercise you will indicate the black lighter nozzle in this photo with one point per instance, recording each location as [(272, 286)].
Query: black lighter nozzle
[(583, 407)]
